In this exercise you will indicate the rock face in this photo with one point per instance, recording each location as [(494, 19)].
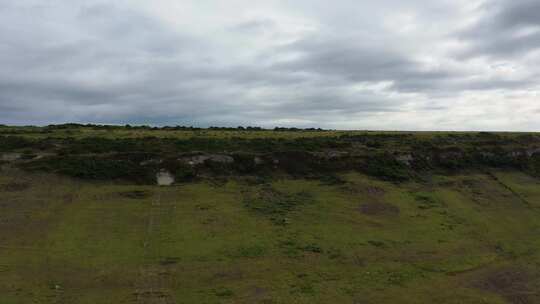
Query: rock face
[(517, 153), (405, 159), (532, 152), (201, 159), (151, 162), (164, 178), (336, 154), (224, 159), (331, 155), (451, 155), (10, 157)]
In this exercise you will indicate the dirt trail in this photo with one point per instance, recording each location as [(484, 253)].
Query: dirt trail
[(151, 285), (508, 188)]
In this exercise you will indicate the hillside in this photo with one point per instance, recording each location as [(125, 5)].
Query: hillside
[(267, 216)]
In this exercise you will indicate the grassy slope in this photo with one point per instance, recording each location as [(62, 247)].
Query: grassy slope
[(67, 241)]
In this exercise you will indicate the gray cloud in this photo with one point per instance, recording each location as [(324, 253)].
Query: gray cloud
[(376, 66), (359, 61), (505, 28)]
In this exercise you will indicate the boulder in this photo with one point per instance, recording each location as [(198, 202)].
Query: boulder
[(164, 178)]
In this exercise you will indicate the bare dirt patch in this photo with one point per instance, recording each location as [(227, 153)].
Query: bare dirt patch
[(356, 189), (257, 294), (228, 275), (378, 208), (136, 194), (372, 190), (514, 284)]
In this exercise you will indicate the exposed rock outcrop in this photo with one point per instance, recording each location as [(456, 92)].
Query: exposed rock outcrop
[(164, 178), (405, 159), (9, 157), (203, 158)]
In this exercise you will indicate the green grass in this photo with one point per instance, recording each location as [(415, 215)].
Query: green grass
[(82, 222), (69, 241)]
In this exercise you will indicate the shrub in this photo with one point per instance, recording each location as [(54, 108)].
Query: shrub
[(386, 167), (534, 165), (297, 163), (94, 168), (136, 194), (181, 172), (10, 143)]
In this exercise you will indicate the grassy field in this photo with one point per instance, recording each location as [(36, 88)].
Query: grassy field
[(466, 236)]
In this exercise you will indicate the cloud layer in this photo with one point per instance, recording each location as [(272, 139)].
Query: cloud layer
[(415, 65)]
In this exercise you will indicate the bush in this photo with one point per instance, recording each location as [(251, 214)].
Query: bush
[(534, 165), (94, 168), (297, 163), (181, 172), (386, 167), (10, 143), (245, 164)]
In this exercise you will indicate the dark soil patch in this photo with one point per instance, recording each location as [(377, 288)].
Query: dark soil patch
[(354, 189), (136, 194), (511, 283), (259, 295), (377, 208), (68, 198), (227, 276), (14, 187), (372, 190)]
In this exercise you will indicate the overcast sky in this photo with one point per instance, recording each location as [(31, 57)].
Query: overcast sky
[(343, 64)]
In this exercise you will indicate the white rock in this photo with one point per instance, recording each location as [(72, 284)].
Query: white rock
[(164, 178)]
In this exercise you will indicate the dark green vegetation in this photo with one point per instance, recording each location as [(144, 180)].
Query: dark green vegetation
[(137, 154), (256, 216)]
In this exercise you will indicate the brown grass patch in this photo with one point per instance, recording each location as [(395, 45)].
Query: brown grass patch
[(378, 208), (136, 194), (514, 284), (355, 189)]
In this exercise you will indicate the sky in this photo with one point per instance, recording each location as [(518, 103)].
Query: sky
[(342, 64)]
